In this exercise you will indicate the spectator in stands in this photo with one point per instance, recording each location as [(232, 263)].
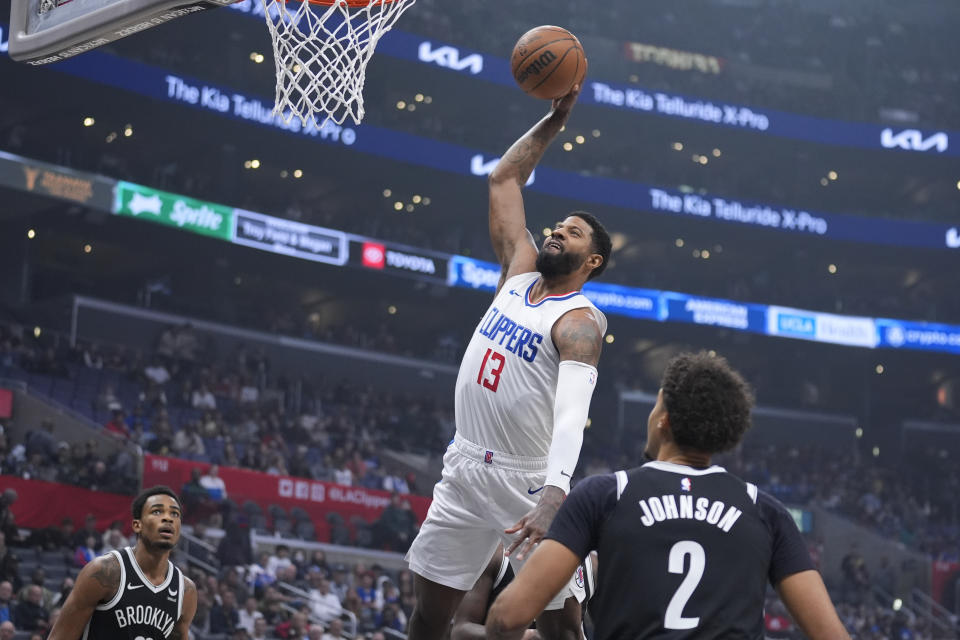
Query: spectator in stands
[(272, 605), (8, 522), (394, 483), (856, 581), (367, 591), (10, 568), (392, 618), (89, 529), (97, 478), (295, 628), (258, 574), (334, 630), (156, 372), (396, 526), (37, 579), (85, 553), (203, 399), (326, 605), (187, 443), (30, 614), (339, 584), (60, 598), (213, 483), (7, 630), (6, 600), (341, 474), (279, 559), (224, 616), (117, 425), (194, 495), (248, 616), (259, 629), (41, 442), (315, 632), (318, 561), (113, 537)]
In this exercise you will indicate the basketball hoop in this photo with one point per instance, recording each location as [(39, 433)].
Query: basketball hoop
[(321, 49)]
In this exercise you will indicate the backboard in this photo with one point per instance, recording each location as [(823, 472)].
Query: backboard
[(45, 31)]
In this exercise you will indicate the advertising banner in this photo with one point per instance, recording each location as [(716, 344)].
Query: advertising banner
[(316, 498), (44, 504), (398, 259), (289, 238), (174, 210), (44, 179)]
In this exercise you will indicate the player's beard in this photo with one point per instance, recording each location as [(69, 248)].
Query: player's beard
[(159, 544), (561, 263)]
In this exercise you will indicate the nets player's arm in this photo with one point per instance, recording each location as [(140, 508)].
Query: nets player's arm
[(809, 603), (513, 244), (795, 577), (181, 631), (98, 582), (578, 338)]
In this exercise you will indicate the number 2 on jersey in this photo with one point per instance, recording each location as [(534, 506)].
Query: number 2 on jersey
[(491, 379), (674, 617)]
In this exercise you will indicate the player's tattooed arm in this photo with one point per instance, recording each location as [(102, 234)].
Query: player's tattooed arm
[(516, 251), (577, 337), (98, 582), (181, 630)]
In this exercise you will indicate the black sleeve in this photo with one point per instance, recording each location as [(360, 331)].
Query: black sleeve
[(578, 523), (789, 549)]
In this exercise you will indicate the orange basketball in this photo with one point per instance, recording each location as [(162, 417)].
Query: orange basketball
[(547, 61)]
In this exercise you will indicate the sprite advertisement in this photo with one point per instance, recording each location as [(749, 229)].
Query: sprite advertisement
[(197, 216)]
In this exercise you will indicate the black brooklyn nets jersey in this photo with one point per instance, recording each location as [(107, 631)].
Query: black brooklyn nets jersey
[(140, 610), (687, 553)]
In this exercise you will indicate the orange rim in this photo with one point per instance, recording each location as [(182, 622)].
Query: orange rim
[(354, 4)]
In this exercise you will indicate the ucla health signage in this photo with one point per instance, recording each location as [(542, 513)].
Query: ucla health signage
[(851, 331)]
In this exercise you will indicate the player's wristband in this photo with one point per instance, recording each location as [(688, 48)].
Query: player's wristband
[(575, 384)]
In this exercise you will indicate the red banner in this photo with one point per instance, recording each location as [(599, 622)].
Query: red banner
[(44, 504), (316, 498), (6, 403), (945, 575)]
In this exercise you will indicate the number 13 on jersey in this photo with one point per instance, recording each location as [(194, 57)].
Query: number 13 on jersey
[(490, 370)]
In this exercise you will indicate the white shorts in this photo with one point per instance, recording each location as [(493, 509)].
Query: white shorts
[(480, 494)]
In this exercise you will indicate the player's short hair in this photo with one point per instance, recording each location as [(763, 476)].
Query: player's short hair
[(602, 244), (141, 499), (708, 402)]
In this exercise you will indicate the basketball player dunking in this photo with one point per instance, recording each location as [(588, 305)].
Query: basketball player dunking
[(522, 396), (687, 548), (134, 592)]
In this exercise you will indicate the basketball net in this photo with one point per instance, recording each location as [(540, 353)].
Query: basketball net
[(321, 54)]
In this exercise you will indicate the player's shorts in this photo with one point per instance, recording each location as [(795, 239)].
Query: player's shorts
[(481, 493)]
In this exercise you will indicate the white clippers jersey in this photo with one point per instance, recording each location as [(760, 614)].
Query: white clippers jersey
[(508, 377)]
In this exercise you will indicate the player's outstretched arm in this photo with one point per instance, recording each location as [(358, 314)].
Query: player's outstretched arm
[(181, 631), (98, 582), (578, 338), (809, 603), (540, 579), (512, 243)]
